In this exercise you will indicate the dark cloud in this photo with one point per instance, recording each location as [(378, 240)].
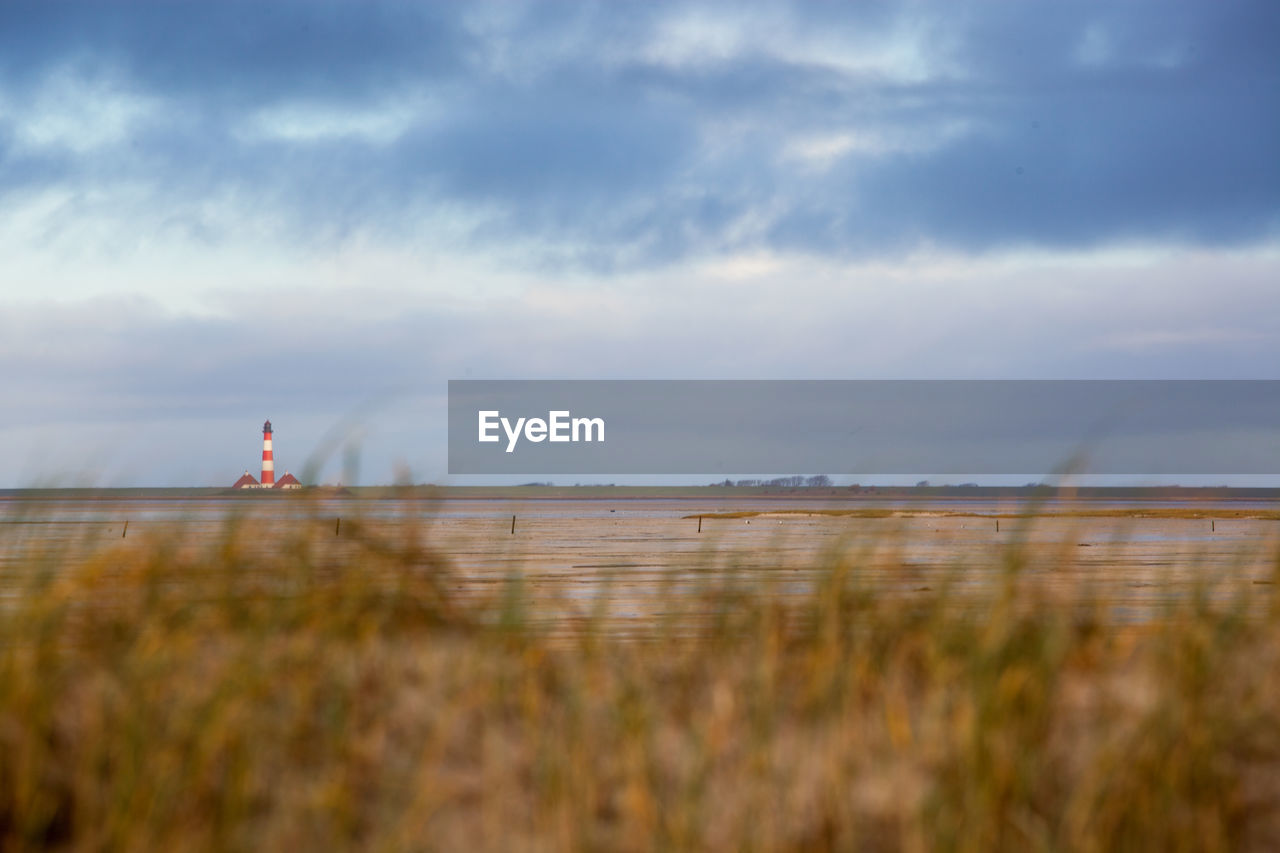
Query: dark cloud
[(236, 51), (1063, 126), (539, 153), (1089, 170)]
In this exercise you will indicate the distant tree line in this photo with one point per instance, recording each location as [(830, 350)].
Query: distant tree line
[(796, 481)]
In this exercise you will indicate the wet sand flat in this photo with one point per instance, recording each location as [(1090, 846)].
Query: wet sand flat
[(630, 556), (1137, 564)]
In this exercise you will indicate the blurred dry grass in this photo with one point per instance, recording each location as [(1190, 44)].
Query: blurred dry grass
[(346, 692)]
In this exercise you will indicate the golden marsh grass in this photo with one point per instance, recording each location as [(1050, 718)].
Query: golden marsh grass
[(387, 689)]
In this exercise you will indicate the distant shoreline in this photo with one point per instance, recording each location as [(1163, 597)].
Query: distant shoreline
[(826, 493)]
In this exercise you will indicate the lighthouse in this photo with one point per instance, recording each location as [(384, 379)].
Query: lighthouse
[(269, 481), (268, 464)]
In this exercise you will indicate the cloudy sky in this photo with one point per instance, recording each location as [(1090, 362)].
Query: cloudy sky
[(216, 213)]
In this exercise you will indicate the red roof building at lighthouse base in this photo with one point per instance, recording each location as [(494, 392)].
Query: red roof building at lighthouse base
[(288, 481)]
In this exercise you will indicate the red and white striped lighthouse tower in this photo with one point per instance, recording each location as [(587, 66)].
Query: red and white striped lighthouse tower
[(268, 464)]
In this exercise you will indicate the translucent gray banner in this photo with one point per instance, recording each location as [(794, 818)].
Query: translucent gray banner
[(864, 427)]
